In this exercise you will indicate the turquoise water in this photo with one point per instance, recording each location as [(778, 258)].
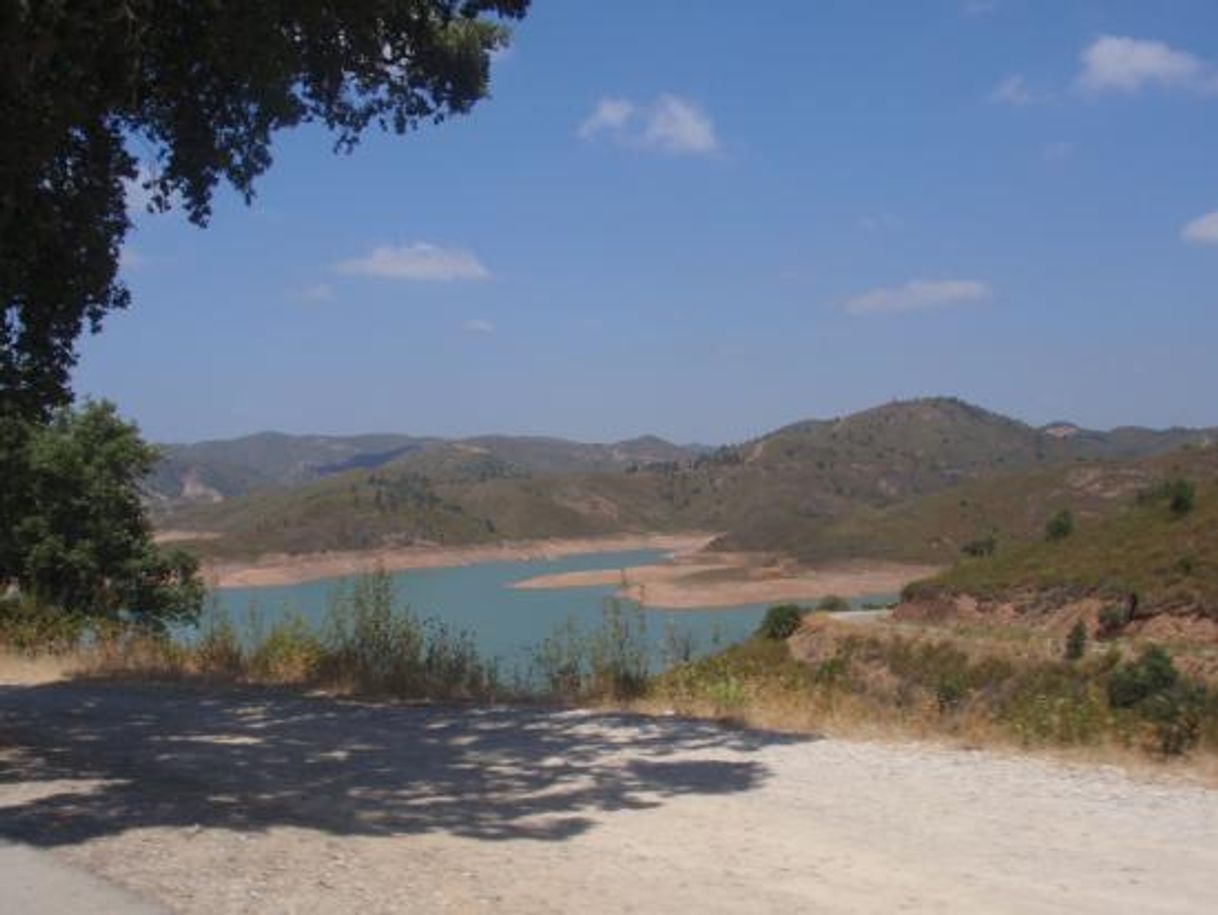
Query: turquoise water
[(507, 623)]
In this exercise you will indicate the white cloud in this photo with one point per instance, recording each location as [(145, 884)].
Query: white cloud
[(477, 326), (678, 126), (319, 292), (1013, 90), (610, 114), (1058, 150), (419, 261), (1121, 64), (670, 124), (876, 222), (1203, 230), (918, 295)]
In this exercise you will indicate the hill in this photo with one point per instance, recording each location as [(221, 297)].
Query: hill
[(872, 470), (1007, 508), (214, 471), (1167, 556), (882, 483)]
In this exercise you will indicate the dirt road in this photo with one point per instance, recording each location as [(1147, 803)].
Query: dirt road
[(259, 802)]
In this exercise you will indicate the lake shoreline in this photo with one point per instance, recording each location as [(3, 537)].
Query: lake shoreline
[(292, 569), (697, 581), (691, 577)]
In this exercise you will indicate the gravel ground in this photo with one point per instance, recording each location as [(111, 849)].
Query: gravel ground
[(232, 801)]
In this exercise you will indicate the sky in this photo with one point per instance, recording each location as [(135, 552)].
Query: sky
[(706, 220)]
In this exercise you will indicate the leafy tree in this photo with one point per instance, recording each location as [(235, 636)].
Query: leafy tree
[(1060, 526), (201, 86), (83, 544)]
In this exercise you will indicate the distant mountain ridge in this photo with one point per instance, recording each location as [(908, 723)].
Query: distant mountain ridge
[(213, 471), (779, 492)]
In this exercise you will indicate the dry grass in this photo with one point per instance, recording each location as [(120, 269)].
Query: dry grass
[(369, 644), (919, 683)]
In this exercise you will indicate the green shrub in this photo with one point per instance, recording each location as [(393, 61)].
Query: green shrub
[(727, 694), (619, 652), (1060, 526), (1179, 493), (609, 663), (219, 651), (1175, 718), (831, 603), (1135, 681), (780, 622), (1112, 620), (27, 626), (982, 546), (289, 653), (1182, 497), (1076, 642), (951, 689)]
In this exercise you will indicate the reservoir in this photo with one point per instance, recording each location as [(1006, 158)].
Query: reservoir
[(505, 623)]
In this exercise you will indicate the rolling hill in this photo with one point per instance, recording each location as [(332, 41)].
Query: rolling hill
[(214, 471), (910, 479), (1167, 557)]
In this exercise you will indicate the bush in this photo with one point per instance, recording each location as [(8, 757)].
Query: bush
[(982, 546), (833, 604), (1113, 619), (1060, 526), (1181, 497), (1175, 719), (1076, 642), (1179, 493), (25, 625), (1151, 687), (1136, 681), (609, 663), (780, 622)]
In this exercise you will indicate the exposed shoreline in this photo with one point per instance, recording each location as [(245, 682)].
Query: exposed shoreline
[(288, 569), (695, 581)]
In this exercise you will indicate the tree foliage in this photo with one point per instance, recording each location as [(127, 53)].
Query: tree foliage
[(780, 621), (199, 87), (1060, 526), (82, 543)]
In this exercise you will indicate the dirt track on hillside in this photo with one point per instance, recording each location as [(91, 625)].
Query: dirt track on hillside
[(255, 802)]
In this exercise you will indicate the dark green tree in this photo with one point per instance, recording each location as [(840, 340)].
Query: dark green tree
[(1060, 526), (83, 544), (199, 87), (780, 622)]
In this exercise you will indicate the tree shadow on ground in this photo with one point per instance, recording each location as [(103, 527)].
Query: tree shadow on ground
[(111, 758)]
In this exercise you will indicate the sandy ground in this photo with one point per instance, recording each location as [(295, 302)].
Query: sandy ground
[(691, 581), (283, 569), (36, 883), (181, 536), (241, 802)]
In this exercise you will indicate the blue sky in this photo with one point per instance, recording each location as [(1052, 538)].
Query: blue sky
[(671, 219)]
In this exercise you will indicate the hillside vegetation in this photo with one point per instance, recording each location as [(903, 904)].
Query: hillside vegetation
[(993, 513), (910, 480), (1167, 557)]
